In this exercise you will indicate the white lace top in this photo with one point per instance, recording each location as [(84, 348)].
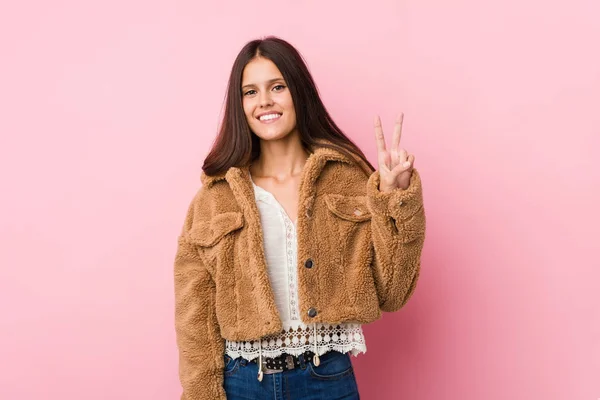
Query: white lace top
[(279, 234)]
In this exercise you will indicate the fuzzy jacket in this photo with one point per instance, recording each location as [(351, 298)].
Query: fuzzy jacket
[(359, 253)]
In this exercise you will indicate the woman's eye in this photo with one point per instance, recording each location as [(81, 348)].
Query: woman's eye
[(249, 92), (281, 87)]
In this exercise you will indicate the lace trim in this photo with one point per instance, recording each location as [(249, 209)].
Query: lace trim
[(291, 263), (343, 338)]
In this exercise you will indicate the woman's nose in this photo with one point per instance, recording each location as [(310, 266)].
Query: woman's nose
[(265, 99)]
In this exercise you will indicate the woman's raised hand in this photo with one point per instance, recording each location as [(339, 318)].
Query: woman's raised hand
[(395, 165)]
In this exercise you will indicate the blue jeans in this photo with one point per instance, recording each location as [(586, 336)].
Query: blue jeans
[(333, 379)]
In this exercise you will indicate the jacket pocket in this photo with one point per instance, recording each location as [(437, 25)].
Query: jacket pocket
[(349, 208), (209, 233), (347, 228)]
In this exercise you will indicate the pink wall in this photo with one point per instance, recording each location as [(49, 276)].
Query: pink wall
[(106, 109)]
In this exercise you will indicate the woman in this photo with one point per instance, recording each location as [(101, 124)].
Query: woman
[(293, 241)]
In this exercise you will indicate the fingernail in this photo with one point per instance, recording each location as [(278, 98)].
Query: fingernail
[(406, 164)]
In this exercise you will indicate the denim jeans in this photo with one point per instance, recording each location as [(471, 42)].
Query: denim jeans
[(333, 379)]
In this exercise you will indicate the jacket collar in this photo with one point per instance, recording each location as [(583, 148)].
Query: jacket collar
[(313, 167)]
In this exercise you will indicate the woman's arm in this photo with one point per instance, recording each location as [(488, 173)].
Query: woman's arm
[(200, 344), (398, 232)]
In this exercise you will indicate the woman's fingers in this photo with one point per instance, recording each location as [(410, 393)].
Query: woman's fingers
[(382, 156), (390, 159), (404, 166), (396, 154), (402, 156), (380, 140)]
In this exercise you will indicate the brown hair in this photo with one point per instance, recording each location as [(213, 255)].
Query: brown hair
[(236, 145)]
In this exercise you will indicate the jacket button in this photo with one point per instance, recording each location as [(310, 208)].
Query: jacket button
[(308, 263), (312, 312)]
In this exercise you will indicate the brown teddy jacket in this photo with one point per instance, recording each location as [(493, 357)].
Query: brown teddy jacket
[(359, 254)]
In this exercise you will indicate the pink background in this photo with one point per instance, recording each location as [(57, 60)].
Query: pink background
[(107, 109)]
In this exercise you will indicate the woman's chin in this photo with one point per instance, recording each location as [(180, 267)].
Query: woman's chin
[(271, 136)]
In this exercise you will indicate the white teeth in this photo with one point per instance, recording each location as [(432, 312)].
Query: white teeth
[(269, 116)]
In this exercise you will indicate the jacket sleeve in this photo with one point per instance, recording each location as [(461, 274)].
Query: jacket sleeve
[(398, 234), (199, 342)]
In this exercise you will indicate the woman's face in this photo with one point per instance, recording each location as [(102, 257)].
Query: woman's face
[(267, 100)]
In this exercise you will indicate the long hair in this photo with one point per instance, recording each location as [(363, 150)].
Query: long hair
[(236, 145)]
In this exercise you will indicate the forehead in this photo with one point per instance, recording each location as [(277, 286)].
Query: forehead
[(260, 70)]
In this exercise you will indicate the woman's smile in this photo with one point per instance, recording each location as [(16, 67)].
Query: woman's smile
[(269, 118)]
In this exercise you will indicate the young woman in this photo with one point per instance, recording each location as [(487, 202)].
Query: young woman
[(292, 242)]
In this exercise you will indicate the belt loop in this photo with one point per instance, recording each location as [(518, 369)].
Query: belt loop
[(243, 361), (302, 361)]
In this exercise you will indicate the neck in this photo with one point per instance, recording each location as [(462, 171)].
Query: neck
[(280, 159)]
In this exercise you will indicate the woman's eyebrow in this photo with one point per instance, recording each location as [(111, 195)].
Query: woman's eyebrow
[(268, 82)]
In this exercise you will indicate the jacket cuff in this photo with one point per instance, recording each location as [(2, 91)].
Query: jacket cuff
[(399, 204)]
